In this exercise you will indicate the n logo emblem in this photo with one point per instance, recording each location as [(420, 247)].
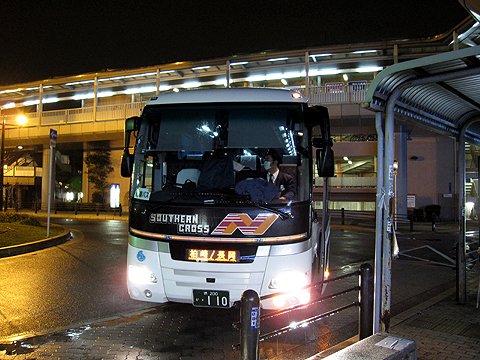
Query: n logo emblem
[(245, 224)]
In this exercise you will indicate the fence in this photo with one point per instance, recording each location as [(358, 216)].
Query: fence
[(85, 207), (78, 207), (250, 316), (369, 216)]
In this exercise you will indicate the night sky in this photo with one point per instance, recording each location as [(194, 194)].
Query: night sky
[(40, 40)]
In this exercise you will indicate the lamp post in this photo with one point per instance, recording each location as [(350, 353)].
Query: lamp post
[(21, 120)]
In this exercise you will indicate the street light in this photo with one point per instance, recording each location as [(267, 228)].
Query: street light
[(21, 120)]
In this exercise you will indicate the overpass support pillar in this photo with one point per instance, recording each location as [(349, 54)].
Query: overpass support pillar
[(45, 175), (85, 186)]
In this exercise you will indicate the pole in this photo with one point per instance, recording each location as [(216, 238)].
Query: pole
[(2, 162), (50, 175), (379, 224), (307, 77), (249, 325), (366, 301), (227, 75)]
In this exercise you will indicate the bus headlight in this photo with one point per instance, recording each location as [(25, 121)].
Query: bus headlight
[(290, 282), (141, 275)]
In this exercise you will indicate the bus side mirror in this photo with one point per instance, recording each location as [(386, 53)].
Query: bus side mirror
[(131, 124), (126, 168), (318, 115), (325, 162)]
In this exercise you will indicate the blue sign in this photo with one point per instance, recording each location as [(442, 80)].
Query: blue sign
[(141, 256), (53, 137), (255, 323)]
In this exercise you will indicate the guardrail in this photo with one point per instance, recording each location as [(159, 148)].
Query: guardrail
[(352, 214), (87, 207), (250, 317)]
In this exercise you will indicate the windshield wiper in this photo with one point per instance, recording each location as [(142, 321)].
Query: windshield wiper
[(283, 214), (155, 207)]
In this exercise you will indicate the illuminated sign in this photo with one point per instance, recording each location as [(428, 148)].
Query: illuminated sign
[(186, 224), (212, 255), (114, 195), (245, 224)]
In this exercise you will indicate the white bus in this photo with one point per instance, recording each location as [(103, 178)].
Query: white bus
[(204, 223)]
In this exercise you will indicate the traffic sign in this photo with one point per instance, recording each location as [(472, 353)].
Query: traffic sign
[(53, 137)]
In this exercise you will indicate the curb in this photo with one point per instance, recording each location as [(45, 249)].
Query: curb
[(35, 245)]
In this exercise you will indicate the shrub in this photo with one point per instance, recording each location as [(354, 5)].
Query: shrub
[(19, 218), (30, 220)]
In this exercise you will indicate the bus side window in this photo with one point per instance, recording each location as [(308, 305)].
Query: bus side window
[(148, 173)]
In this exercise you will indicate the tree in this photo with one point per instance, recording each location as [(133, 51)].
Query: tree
[(99, 166)]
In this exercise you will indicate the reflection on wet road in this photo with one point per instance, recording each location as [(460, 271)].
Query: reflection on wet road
[(81, 280), (81, 285)]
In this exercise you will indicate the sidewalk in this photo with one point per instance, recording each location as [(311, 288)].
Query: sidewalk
[(441, 328)]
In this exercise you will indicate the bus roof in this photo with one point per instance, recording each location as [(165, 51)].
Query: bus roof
[(228, 95)]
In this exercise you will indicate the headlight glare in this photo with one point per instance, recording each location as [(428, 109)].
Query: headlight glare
[(288, 281), (141, 275)]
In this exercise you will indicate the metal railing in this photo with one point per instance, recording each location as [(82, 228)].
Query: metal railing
[(317, 95), (250, 317), (348, 94), (80, 115)]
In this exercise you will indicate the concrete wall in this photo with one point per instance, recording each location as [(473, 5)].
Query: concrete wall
[(432, 175)]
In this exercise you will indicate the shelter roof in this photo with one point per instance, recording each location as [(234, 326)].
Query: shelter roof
[(440, 92)]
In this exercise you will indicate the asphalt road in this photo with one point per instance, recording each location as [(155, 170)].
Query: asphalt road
[(83, 280), (79, 281)]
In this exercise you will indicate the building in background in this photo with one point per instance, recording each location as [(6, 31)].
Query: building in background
[(92, 107)]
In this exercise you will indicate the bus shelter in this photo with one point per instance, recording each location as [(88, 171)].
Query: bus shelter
[(440, 93)]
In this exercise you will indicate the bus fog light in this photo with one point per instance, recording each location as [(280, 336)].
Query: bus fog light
[(148, 294), (135, 292), (303, 297), (141, 275)]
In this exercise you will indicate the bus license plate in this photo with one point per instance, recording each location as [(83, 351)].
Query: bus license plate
[(211, 298)]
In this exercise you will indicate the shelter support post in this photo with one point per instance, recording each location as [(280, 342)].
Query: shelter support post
[(388, 175), (462, 221), (377, 298), (401, 177), (460, 260)]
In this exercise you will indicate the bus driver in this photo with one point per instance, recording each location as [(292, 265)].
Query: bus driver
[(282, 180)]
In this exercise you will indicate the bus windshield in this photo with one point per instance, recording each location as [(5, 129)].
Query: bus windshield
[(186, 154)]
